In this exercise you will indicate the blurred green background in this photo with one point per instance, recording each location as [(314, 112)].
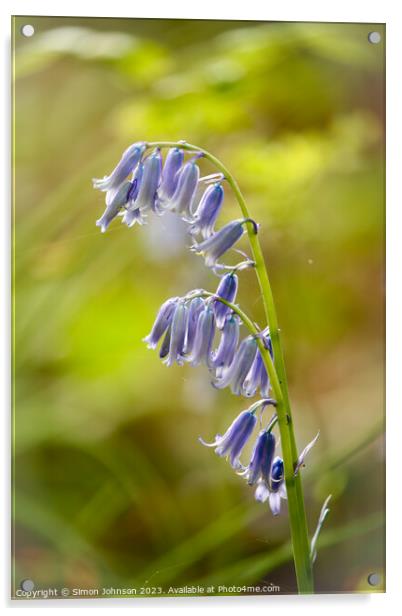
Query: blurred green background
[(111, 485)]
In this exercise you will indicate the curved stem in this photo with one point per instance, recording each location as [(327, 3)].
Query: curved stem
[(297, 514)]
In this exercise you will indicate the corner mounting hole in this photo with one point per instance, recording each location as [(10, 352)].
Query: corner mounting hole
[(374, 38), (27, 585), (28, 30), (373, 579)]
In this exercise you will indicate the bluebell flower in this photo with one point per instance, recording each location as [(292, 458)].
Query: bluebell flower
[(235, 438), (114, 206), (227, 289), (162, 322), (265, 384), (220, 242), (183, 197), (277, 488), (170, 174), (127, 164), (177, 335), (146, 198), (204, 337), (196, 307), (135, 215), (259, 467), (274, 489), (208, 210), (224, 355), (258, 375), (253, 380), (164, 350), (235, 375)]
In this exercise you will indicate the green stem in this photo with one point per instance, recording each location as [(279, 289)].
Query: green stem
[(297, 513)]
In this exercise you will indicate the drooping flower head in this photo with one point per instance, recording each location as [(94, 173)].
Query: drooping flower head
[(183, 197), (227, 290), (224, 355), (220, 242), (276, 485), (235, 438), (134, 214), (118, 200), (203, 339), (146, 198), (196, 307), (177, 335), (208, 210), (170, 175), (235, 375), (162, 322), (127, 164), (261, 459)]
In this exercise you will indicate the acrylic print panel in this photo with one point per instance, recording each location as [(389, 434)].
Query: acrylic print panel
[(240, 186)]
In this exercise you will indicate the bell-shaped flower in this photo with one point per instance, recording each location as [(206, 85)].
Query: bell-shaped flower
[(146, 198), (114, 206), (196, 307), (237, 372), (127, 164), (133, 213), (235, 438), (164, 350), (224, 355), (277, 488), (177, 335), (259, 467), (208, 210), (265, 384), (227, 290), (253, 380), (162, 322), (183, 197), (220, 242), (170, 174), (204, 337)]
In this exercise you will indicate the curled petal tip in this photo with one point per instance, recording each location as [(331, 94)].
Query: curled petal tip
[(215, 443)]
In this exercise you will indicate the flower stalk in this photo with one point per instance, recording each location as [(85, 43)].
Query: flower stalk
[(188, 326), (297, 513)]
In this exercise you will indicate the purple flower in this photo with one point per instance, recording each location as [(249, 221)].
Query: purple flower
[(253, 380), (164, 350), (220, 242), (177, 335), (261, 458), (183, 197), (162, 322), (227, 290), (128, 162), (236, 436), (146, 199), (208, 210), (274, 489), (204, 337), (114, 205), (196, 307), (226, 350), (170, 174), (135, 214), (276, 485), (237, 372)]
